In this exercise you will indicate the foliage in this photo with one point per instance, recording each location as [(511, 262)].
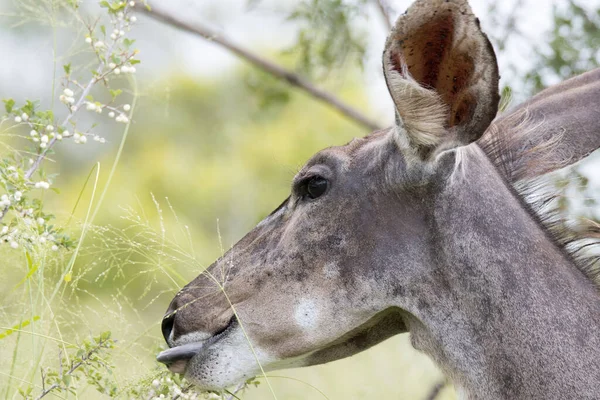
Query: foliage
[(328, 39), (574, 45)]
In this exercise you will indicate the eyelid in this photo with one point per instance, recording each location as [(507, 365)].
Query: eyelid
[(312, 172), (302, 182)]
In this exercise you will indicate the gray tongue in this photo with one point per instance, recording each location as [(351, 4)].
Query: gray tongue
[(184, 352)]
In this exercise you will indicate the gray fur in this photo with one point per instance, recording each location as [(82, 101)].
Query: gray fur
[(415, 234)]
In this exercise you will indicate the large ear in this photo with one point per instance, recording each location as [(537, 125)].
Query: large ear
[(556, 128), (441, 71)]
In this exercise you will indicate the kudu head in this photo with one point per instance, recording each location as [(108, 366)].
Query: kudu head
[(345, 260)]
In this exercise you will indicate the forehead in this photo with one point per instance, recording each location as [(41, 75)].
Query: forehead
[(369, 149)]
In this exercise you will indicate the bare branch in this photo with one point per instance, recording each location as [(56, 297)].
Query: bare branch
[(261, 63), (383, 8)]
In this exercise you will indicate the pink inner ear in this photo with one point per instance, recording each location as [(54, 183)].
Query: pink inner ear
[(438, 63)]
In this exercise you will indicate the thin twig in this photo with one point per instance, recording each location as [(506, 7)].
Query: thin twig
[(383, 8), (84, 359), (263, 64)]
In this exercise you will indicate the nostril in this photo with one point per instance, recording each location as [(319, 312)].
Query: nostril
[(167, 325)]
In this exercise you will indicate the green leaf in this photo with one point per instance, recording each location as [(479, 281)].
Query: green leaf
[(115, 93), (8, 105), (128, 42), (19, 326), (134, 61), (67, 68)]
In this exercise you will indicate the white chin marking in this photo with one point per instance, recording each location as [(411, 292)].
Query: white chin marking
[(226, 363), (306, 314)]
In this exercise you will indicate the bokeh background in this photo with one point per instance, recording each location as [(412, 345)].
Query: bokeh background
[(212, 149)]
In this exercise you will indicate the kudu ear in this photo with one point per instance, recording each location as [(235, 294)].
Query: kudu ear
[(442, 74), (556, 128)]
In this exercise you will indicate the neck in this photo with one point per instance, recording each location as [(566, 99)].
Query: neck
[(504, 312)]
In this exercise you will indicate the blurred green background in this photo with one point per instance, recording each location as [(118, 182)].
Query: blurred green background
[(212, 149)]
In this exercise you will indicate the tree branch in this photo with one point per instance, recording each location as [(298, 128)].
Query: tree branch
[(261, 63), (385, 13)]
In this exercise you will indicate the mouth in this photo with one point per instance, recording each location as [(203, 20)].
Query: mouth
[(176, 358)]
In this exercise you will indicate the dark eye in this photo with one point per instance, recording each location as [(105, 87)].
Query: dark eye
[(316, 186)]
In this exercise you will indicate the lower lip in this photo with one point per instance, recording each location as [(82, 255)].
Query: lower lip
[(178, 367), (181, 355)]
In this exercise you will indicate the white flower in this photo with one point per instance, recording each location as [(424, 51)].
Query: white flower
[(126, 107), (124, 69), (88, 40), (43, 145), (83, 139), (44, 139), (70, 100), (41, 221), (133, 19), (36, 139), (99, 44), (33, 133), (73, 108), (117, 71), (96, 138), (111, 114), (113, 36), (132, 3), (18, 119), (18, 195), (121, 33), (122, 118), (54, 248), (68, 92), (112, 65), (59, 137), (102, 140), (90, 106), (132, 70), (31, 161), (120, 15), (76, 136), (24, 116), (42, 185), (4, 230), (42, 240), (66, 133), (14, 245), (49, 128)]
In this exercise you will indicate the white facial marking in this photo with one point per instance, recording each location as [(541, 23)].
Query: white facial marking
[(307, 314)]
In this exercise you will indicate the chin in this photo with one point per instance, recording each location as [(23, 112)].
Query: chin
[(217, 363)]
